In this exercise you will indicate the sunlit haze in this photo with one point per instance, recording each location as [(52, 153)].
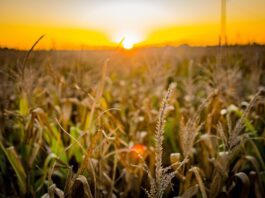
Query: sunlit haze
[(80, 24)]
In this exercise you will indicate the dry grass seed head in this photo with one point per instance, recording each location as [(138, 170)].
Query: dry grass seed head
[(162, 178)]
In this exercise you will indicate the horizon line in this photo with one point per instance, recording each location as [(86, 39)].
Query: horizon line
[(99, 48)]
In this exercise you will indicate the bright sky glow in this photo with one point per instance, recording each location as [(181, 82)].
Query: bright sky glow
[(71, 24)]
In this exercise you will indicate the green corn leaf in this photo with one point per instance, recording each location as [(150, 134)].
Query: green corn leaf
[(16, 164), (23, 105)]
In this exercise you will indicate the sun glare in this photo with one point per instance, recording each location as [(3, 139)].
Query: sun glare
[(127, 40), (128, 43)]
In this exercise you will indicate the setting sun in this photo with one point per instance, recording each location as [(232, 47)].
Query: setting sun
[(127, 43), (127, 40)]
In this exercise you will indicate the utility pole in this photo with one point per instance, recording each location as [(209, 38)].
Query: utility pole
[(223, 36)]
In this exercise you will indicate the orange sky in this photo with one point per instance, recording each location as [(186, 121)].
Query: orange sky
[(80, 24)]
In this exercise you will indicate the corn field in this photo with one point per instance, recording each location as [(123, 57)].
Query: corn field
[(152, 122)]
